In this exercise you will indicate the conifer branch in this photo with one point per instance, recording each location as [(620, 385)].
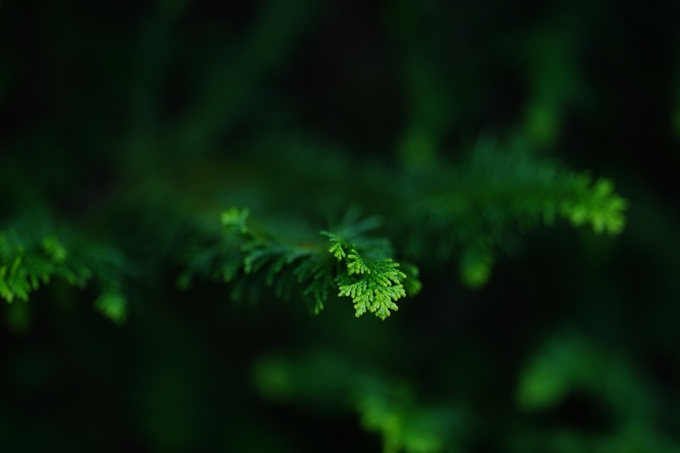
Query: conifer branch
[(361, 270), (475, 209), (33, 252), (388, 407)]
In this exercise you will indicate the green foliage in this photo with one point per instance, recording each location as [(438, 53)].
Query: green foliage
[(476, 209), (386, 406), (113, 305), (33, 253), (569, 364), (597, 205), (138, 123), (31, 261), (473, 210), (406, 425), (362, 271), (372, 286)]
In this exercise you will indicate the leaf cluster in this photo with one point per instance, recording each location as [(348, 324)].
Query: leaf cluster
[(569, 363), (386, 406), (362, 270), (477, 210), (373, 286), (33, 252)]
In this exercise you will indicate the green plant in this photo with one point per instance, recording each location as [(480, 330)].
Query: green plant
[(200, 202)]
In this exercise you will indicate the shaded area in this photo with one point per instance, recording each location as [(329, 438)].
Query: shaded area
[(128, 130)]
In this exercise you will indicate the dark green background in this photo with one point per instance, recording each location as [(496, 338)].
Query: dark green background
[(97, 98)]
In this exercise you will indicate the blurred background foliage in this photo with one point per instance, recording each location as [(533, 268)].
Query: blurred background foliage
[(128, 127)]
